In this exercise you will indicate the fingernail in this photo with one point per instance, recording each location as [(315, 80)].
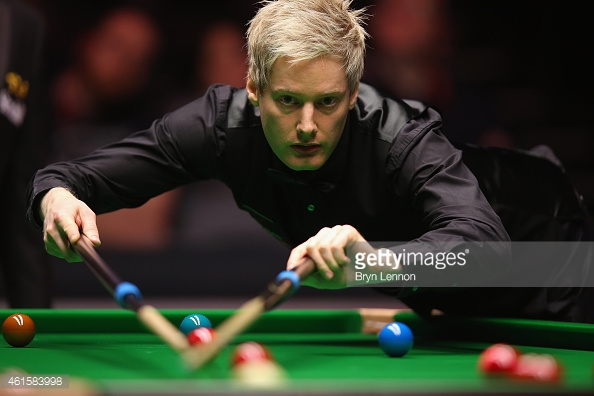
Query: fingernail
[(329, 274)]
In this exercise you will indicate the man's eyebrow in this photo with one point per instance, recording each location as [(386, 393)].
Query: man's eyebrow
[(281, 90)]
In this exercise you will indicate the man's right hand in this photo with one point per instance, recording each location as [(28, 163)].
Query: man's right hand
[(64, 218)]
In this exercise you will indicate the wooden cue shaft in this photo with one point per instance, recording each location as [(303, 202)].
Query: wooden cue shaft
[(196, 357), (160, 326), (147, 314)]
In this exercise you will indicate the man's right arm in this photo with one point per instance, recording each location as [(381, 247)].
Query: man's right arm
[(182, 147), (64, 219)]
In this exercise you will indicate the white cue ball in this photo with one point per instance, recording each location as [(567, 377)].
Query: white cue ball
[(260, 374)]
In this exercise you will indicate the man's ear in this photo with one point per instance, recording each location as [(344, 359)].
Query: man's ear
[(353, 97), (252, 91)]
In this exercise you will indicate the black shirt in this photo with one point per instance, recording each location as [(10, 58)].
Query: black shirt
[(393, 176)]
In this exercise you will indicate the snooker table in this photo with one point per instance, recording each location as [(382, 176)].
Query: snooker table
[(322, 351)]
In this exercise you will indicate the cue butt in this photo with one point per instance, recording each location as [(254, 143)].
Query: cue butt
[(374, 319), (163, 328), (85, 249), (196, 357)]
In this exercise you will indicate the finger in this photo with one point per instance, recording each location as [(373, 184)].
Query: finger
[(61, 232), (312, 250), (55, 241), (71, 232), (314, 253), (297, 257), (71, 235), (326, 253), (317, 248), (341, 242), (60, 247), (88, 225), (332, 247)]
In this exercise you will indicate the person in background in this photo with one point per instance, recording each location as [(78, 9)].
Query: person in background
[(24, 265), (221, 56), (104, 95), (411, 56)]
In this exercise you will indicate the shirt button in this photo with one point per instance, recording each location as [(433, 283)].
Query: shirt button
[(311, 207)]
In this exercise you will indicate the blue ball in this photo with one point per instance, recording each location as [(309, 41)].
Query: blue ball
[(395, 339), (194, 321)]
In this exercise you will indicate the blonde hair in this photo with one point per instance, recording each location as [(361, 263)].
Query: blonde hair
[(304, 30)]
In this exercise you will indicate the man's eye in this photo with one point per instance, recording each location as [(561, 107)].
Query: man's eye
[(286, 100), (328, 101)]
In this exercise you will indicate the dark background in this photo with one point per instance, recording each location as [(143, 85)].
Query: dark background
[(532, 60)]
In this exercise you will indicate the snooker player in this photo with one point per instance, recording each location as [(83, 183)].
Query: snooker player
[(322, 161)]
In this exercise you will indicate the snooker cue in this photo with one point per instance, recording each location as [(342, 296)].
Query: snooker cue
[(147, 314), (196, 356)]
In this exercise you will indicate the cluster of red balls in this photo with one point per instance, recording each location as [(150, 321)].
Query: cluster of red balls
[(252, 363), (505, 360)]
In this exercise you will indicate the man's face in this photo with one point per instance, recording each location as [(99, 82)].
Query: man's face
[(304, 110)]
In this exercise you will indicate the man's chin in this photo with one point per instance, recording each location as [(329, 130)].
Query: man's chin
[(304, 165)]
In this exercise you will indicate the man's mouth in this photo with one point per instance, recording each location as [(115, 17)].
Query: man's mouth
[(306, 149)]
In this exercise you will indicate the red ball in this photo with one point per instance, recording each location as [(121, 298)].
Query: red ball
[(538, 367), (249, 352), (201, 335), (18, 330), (498, 359)]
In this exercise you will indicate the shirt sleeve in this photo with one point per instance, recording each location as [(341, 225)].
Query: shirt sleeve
[(430, 173), (181, 147)]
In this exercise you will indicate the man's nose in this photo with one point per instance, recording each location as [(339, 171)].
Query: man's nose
[(306, 129)]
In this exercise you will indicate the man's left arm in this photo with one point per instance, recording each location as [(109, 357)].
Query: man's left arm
[(428, 172), (457, 216)]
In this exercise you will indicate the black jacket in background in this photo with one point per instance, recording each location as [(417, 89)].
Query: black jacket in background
[(24, 138)]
